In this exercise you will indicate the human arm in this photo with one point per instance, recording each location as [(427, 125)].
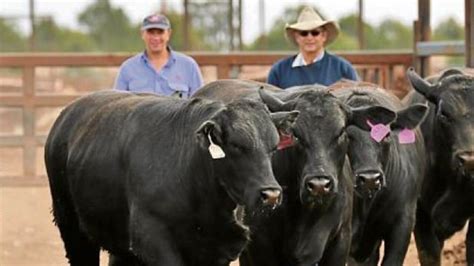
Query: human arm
[(196, 80), (350, 72), (120, 82), (273, 77)]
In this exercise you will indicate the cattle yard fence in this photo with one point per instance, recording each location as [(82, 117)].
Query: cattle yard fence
[(30, 89)]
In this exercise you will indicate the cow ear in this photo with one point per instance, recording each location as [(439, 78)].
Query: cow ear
[(284, 121), (273, 103), (410, 117), (362, 117), (209, 129), (422, 86), (450, 72)]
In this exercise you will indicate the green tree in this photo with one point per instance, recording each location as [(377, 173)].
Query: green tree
[(11, 39), (448, 29), (51, 38), (110, 27), (196, 38), (394, 35), (275, 38)]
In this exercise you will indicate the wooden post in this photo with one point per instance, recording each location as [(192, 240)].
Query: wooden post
[(241, 45), (469, 32), (261, 24), (425, 33), (29, 144), (360, 26), (416, 39), (186, 23), (32, 25), (231, 24)]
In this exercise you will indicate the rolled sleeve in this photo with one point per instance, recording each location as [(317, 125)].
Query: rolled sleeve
[(121, 82), (273, 77), (196, 80)]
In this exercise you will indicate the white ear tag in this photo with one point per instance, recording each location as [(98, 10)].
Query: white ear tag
[(215, 150)]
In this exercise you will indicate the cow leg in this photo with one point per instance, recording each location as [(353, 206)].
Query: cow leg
[(337, 252), (152, 242), (366, 247), (123, 261), (397, 241), (79, 249), (427, 243), (470, 243)]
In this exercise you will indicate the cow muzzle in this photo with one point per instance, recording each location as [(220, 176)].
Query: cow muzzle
[(369, 182), (319, 185), (465, 161), (271, 197)]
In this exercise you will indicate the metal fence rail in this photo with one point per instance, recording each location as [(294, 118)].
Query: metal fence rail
[(376, 67)]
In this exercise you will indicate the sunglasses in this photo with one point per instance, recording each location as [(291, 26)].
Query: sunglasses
[(305, 33)]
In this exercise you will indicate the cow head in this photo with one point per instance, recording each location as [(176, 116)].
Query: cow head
[(322, 141), (241, 139), (369, 157), (452, 120)]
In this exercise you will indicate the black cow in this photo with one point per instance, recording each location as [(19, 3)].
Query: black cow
[(447, 197), (313, 225), (388, 177), (155, 180)]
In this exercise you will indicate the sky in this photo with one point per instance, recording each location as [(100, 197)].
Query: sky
[(65, 12)]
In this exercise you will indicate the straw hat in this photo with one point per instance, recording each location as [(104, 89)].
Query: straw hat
[(308, 20)]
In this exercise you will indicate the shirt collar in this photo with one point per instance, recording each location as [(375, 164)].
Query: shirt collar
[(299, 60), (171, 59)]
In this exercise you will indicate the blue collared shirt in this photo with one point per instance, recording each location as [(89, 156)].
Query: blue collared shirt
[(180, 76)]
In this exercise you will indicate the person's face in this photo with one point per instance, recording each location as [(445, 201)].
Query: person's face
[(156, 40), (311, 41)]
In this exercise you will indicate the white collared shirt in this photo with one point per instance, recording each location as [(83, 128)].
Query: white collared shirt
[(299, 60)]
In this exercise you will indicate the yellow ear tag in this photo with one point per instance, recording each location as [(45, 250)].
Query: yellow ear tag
[(215, 150)]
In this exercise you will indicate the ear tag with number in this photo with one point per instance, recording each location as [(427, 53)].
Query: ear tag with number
[(379, 131), (406, 136), (215, 150)]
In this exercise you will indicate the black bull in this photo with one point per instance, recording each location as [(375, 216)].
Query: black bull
[(393, 172), (447, 197), (314, 223), (132, 174)]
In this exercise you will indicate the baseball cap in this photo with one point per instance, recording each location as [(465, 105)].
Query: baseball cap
[(156, 21)]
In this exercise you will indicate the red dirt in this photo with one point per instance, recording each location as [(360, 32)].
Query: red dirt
[(28, 236)]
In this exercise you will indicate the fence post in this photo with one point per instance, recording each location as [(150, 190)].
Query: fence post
[(29, 144)]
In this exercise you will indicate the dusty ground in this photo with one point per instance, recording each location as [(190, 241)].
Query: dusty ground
[(28, 236)]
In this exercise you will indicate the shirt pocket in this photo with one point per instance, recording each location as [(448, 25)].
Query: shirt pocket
[(179, 90)]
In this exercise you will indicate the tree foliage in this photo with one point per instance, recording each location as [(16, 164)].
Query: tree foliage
[(11, 39), (449, 29), (107, 28), (50, 38)]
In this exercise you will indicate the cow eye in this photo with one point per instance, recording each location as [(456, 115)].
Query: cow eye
[(238, 148), (444, 117)]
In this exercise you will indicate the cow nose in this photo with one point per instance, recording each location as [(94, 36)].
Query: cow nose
[(319, 185), (372, 180), (270, 196), (466, 159)]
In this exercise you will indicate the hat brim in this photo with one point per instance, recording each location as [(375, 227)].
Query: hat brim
[(155, 26), (331, 27)]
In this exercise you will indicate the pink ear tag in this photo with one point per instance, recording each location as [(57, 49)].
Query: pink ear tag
[(378, 131), (406, 136), (286, 140)]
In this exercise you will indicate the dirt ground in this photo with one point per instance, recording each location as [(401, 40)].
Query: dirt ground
[(28, 236)]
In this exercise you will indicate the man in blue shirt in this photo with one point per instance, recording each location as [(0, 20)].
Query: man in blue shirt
[(312, 64), (159, 69)]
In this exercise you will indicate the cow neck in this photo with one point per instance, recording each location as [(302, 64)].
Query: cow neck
[(208, 185)]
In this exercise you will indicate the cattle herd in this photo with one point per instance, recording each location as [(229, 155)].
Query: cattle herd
[(306, 176)]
